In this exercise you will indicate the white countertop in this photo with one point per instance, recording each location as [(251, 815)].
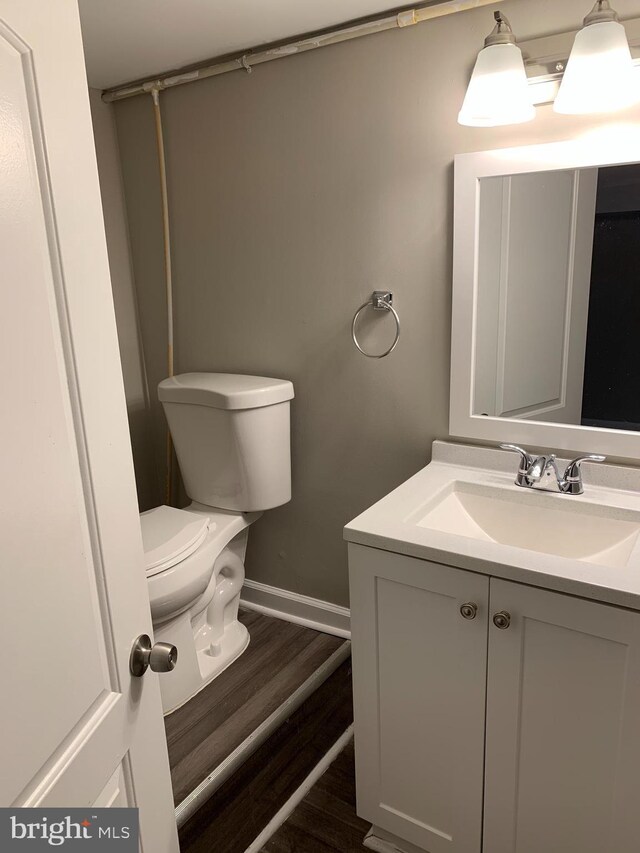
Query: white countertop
[(391, 524)]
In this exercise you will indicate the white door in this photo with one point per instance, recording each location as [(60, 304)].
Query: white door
[(77, 729), (534, 274), (419, 674), (563, 723)]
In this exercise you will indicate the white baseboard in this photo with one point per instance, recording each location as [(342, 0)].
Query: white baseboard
[(293, 607), (300, 793)]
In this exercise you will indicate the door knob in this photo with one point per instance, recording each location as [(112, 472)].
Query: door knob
[(469, 610), (161, 657), (502, 619)]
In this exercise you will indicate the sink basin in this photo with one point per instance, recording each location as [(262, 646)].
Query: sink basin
[(463, 510), (547, 523)]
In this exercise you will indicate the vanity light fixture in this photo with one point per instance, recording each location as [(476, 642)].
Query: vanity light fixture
[(498, 92), (599, 76)]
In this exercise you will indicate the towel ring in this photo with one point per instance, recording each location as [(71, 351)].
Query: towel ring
[(381, 300)]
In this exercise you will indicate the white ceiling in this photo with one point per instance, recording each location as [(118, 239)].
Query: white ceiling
[(128, 39)]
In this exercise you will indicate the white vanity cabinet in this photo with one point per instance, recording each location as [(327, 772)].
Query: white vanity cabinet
[(419, 675), (470, 737), (562, 766)]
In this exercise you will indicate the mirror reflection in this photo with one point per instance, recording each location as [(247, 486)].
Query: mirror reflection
[(557, 324)]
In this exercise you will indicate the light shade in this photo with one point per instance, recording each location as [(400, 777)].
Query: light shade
[(498, 92), (599, 77)]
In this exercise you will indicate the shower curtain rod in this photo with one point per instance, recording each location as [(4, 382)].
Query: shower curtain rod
[(248, 59)]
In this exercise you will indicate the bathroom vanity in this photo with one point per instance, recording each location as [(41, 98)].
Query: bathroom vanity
[(495, 607), (496, 660)]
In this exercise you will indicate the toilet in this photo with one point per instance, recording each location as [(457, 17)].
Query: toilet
[(232, 438)]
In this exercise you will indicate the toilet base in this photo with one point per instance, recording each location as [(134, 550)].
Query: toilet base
[(197, 667), (208, 636)]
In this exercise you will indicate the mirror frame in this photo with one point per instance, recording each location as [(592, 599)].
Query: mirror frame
[(612, 145)]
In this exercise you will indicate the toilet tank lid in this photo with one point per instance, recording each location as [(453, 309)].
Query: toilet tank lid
[(169, 536), (225, 390)]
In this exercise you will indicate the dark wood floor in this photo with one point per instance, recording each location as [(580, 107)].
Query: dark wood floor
[(326, 820), (243, 806), (201, 734)]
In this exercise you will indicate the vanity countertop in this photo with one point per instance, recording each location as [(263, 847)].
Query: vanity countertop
[(401, 522)]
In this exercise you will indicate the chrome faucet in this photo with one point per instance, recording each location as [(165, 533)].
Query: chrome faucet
[(533, 472)]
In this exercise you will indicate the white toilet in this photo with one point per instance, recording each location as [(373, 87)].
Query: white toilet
[(232, 439)]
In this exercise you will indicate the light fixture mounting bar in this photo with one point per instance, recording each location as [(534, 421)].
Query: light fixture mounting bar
[(546, 58)]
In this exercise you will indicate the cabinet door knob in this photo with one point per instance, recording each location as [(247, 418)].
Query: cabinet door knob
[(502, 619), (469, 610)]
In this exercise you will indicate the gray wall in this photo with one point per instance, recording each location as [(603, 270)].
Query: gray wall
[(148, 472), (295, 192)]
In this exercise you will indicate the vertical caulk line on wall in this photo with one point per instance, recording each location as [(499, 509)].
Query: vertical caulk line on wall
[(166, 236)]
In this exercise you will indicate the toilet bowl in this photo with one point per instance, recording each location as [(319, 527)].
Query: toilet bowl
[(231, 435)]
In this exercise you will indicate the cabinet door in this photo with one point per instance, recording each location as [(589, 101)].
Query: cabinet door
[(563, 725), (419, 672)]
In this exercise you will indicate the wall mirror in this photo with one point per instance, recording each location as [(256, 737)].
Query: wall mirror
[(546, 313)]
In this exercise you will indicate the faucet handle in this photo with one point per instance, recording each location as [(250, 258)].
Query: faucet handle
[(572, 480), (573, 472), (526, 460)]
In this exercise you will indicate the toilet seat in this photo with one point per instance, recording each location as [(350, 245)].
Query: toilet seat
[(170, 535)]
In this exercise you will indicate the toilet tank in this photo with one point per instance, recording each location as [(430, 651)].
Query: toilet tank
[(231, 434)]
